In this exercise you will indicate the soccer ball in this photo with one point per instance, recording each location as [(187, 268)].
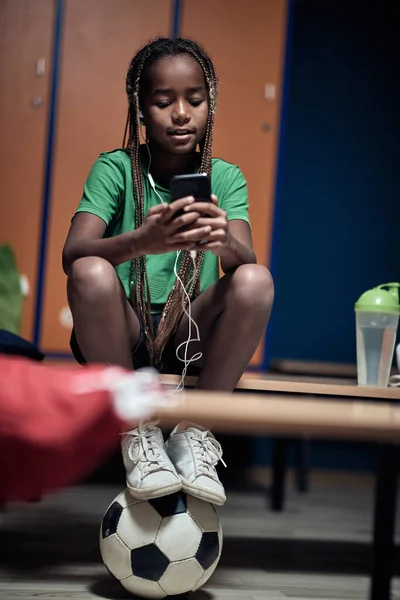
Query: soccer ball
[(161, 547)]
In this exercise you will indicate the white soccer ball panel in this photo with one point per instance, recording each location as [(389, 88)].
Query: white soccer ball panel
[(221, 539), (181, 577), (116, 556), (203, 513), (178, 537), (143, 587), (206, 575), (138, 525)]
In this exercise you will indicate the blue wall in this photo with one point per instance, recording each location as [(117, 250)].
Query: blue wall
[(338, 232)]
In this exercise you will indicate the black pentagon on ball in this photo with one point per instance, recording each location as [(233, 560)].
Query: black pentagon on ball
[(208, 550), (148, 562), (111, 519), (174, 504)]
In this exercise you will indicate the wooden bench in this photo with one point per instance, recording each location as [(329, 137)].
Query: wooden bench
[(285, 407), (289, 384), (319, 386)]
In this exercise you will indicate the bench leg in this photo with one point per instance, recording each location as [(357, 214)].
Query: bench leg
[(384, 522), (279, 464), (303, 464)]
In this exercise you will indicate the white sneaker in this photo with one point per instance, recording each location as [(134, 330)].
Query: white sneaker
[(149, 471), (195, 453)]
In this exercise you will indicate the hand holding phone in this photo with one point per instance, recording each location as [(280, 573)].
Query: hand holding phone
[(164, 231), (206, 205), (192, 221)]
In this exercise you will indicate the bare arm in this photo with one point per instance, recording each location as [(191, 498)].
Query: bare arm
[(85, 238), (158, 234), (230, 240), (239, 247)]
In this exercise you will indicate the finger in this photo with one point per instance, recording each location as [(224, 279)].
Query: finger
[(188, 227), (219, 236), (206, 208), (186, 221), (208, 246), (176, 206), (156, 210), (193, 235), (214, 199), (214, 222)]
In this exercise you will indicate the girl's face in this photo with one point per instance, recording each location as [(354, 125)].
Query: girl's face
[(175, 107)]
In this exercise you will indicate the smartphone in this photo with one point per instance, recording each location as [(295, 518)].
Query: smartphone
[(197, 185)]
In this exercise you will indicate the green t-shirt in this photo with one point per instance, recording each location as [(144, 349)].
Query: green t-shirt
[(108, 194)]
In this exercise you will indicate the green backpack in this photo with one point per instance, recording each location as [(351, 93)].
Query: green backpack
[(11, 297)]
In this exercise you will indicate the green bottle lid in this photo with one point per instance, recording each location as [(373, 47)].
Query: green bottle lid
[(380, 300)]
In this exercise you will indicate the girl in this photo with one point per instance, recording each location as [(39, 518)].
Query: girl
[(125, 241)]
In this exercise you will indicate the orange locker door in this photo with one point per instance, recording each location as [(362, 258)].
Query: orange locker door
[(25, 54), (247, 42), (100, 38)]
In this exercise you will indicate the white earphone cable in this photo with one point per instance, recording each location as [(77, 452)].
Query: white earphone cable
[(188, 312)]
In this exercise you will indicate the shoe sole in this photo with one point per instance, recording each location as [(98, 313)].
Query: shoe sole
[(150, 493), (202, 494)]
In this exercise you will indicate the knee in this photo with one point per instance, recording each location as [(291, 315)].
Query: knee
[(253, 287), (91, 277)]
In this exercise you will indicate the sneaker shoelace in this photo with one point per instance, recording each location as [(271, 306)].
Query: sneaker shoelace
[(208, 453), (145, 447)]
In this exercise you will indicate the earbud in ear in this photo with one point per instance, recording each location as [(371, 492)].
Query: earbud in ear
[(141, 117)]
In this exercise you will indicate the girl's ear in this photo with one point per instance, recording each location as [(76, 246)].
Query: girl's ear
[(141, 117)]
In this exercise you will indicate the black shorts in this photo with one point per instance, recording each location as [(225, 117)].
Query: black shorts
[(140, 356)]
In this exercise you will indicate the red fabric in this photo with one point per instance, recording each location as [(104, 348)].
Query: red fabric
[(50, 436)]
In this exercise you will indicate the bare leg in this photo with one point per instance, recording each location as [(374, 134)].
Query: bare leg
[(105, 324), (107, 328), (232, 316)]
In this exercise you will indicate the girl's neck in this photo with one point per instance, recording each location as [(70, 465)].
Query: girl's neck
[(164, 165)]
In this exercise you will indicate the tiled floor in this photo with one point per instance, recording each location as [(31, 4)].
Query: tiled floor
[(319, 548)]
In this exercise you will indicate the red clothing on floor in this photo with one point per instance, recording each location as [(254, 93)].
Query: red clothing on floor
[(50, 436)]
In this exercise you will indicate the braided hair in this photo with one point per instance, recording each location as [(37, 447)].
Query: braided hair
[(136, 85)]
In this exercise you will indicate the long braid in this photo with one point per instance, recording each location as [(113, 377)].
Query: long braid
[(140, 291)]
